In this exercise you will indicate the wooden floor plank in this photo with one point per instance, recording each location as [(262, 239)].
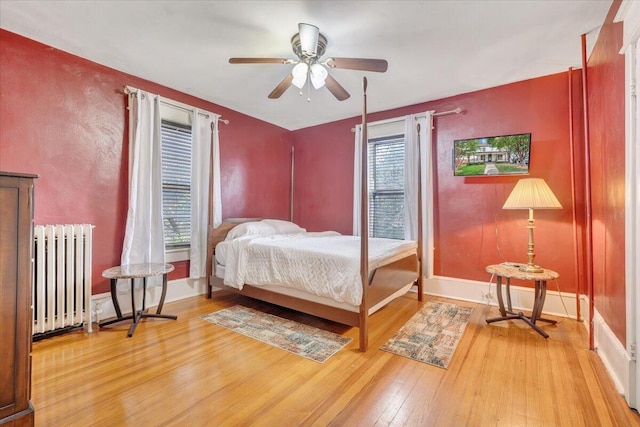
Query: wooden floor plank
[(192, 372)]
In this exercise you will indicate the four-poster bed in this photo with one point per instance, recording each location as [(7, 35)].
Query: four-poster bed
[(387, 278)]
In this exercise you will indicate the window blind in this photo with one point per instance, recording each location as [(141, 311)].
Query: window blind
[(386, 187), (176, 183)]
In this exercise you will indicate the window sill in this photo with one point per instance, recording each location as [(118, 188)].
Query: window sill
[(175, 255)]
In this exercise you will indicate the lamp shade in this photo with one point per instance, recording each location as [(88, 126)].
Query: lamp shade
[(532, 193), (308, 39), (318, 75), (299, 73)]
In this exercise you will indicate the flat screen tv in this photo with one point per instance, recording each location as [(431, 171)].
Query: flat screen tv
[(492, 156)]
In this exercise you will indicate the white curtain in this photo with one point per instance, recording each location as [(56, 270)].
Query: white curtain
[(410, 179), (204, 136), (426, 175), (144, 235), (425, 161), (357, 172), (217, 189)]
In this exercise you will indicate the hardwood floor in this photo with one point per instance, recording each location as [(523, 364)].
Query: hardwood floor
[(190, 372)]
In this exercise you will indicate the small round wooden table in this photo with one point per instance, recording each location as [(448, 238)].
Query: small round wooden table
[(513, 272), (132, 272)]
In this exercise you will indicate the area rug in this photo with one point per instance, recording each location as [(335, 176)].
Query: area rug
[(432, 334), (306, 341)]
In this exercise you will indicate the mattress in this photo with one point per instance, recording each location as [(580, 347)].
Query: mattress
[(222, 249), (323, 264)]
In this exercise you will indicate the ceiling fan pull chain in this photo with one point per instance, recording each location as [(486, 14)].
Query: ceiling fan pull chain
[(308, 85)]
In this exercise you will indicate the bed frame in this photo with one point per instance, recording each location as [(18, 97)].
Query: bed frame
[(386, 282)]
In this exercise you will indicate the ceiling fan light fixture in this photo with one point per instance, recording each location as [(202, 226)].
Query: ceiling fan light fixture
[(299, 74), (308, 39), (318, 75), (309, 46)]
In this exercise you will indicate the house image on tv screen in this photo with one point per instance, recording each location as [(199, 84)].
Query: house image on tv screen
[(495, 155)]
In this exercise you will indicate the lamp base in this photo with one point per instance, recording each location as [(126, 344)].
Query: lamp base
[(530, 268)]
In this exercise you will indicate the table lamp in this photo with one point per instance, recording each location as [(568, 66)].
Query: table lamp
[(531, 193)]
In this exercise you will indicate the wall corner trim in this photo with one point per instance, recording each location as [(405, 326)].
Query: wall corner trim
[(613, 354)]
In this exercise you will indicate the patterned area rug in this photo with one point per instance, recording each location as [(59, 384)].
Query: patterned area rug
[(306, 341), (432, 334)]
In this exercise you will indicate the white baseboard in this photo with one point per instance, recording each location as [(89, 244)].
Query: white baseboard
[(613, 354), (447, 287), (556, 303), (102, 307)]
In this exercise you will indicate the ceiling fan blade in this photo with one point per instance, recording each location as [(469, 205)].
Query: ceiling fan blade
[(336, 89), (260, 61), (363, 64), (282, 87)]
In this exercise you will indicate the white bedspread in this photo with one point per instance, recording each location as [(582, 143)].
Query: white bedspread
[(324, 264)]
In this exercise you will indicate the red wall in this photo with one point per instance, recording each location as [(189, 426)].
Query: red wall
[(64, 118), (605, 85), (471, 228), (323, 180)]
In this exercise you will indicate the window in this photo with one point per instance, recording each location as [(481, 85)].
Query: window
[(176, 184), (386, 187)]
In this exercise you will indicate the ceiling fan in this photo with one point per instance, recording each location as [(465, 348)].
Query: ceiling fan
[(309, 45)]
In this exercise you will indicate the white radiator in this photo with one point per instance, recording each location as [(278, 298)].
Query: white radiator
[(62, 277)]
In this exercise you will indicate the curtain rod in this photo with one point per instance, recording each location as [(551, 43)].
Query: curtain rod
[(174, 104), (417, 116), (444, 113)]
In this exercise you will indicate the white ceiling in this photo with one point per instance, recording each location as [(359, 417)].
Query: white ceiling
[(435, 49)]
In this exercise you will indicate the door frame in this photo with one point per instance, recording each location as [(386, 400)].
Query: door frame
[(629, 14)]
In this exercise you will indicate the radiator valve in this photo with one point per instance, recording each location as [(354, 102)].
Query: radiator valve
[(96, 308)]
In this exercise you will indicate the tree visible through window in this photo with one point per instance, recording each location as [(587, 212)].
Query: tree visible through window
[(386, 187), (176, 184)]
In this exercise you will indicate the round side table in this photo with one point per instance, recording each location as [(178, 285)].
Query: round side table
[(132, 272), (509, 272)]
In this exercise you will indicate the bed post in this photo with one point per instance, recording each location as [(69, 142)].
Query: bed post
[(364, 228), (291, 186), (419, 281)]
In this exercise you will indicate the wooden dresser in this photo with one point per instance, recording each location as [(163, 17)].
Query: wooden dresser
[(16, 247)]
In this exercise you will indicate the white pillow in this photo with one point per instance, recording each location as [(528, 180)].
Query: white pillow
[(254, 228), (284, 227)]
